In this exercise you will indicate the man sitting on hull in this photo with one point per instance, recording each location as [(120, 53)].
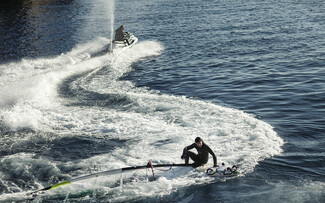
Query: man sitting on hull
[(203, 153)]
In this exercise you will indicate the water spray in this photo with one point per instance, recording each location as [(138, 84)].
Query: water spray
[(111, 11)]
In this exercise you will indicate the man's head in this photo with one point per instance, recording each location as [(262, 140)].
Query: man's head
[(198, 142)]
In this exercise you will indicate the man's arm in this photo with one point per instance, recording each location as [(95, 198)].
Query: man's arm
[(187, 148), (213, 155)]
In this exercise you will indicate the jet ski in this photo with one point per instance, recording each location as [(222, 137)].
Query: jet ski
[(128, 41)]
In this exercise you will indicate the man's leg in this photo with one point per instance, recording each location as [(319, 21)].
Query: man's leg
[(191, 155), (197, 164)]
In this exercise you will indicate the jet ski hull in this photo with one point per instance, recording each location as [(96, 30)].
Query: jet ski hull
[(128, 42)]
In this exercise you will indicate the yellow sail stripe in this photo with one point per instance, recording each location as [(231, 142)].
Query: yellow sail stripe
[(60, 184)]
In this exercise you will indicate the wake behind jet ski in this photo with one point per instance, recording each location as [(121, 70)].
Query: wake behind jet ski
[(123, 39)]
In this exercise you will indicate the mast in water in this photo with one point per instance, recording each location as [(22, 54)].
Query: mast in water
[(110, 172)]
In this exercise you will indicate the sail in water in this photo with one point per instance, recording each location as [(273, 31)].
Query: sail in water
[(111, 172)]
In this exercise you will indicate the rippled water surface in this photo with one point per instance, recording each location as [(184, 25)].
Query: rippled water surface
[(246, 76)]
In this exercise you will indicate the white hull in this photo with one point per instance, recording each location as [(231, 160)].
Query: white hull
[(127, 43), (222, 171)]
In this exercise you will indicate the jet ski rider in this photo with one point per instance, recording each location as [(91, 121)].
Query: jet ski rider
[(203, 153), (120, 35)]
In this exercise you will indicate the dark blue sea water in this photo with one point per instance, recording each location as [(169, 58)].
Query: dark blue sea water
[(246, 76)]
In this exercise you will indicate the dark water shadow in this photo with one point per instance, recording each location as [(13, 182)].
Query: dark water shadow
[(62, 149), (79, 96)]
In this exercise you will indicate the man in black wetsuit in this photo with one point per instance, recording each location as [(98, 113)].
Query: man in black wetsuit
[(203, 153)]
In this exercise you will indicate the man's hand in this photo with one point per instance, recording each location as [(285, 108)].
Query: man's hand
[(184, 153)]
